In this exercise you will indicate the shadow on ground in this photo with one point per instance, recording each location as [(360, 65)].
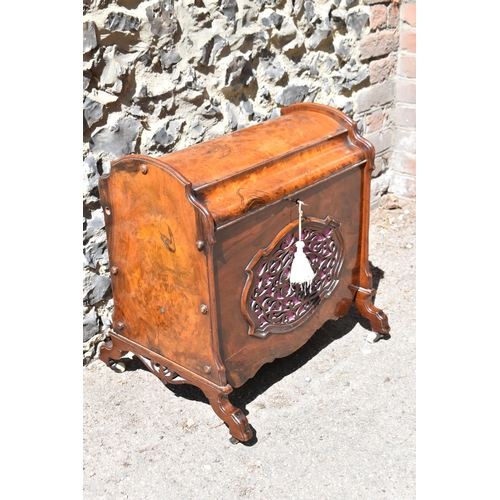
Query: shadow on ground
[(271, 373)]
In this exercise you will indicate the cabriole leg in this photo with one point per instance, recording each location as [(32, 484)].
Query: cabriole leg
[(232, 416), (377, 318), (110, 353), (171, 373)]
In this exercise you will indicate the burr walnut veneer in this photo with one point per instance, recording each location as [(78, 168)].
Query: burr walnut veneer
[(201, 242)]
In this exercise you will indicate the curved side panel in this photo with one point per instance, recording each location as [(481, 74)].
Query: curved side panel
[(160, 275)]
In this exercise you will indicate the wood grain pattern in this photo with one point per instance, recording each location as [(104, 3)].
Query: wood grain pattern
[(183, 231), (162, 279), (243, 355)]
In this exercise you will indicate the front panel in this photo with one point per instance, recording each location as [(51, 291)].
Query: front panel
[(260, 316)]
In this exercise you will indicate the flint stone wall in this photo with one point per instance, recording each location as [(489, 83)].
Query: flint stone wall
[(162, 75)]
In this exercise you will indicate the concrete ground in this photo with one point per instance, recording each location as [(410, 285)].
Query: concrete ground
[(335, 420)]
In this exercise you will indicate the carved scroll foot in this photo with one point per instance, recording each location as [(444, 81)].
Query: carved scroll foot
[(110, 353), (238, 424), (377, 318), (171, 373)]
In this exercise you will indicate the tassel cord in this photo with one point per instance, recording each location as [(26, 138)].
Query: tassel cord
[(301, 271)]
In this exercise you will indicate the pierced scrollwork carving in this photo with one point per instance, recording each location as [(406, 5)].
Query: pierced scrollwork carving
[(269, 302), (164, 373)]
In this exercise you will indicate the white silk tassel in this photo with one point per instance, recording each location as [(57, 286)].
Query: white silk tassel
[(301, 272)]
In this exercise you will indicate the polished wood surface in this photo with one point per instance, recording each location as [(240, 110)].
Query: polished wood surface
[(297, 153), (237, 244), (160, 278), (183, 231)]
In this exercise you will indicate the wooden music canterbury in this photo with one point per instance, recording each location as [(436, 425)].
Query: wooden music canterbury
[(202, 241)]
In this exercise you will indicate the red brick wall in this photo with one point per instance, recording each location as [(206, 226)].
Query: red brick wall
[(403, 158), (385, 109)]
